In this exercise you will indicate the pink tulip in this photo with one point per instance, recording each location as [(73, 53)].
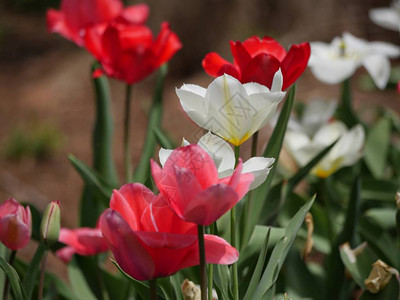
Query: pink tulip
[(149, 241), (15, 224), (189, 181), (83, 241), (76, 16)]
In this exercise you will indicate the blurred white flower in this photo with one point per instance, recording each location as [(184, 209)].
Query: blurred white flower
[(224, 159), (305, 142), (333, 63), (387, 17), (229, 109)]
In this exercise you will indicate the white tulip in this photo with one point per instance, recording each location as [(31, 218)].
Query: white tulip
[(333, 63), (314, 133), (229, 109), (224, 159), (387, 17)]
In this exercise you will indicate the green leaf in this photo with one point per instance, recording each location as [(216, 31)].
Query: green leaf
[(14, 280), (142, 171), (280, 251), (379, 190), (273, 149), (32, 272), (93, 180), (383, 217), (255, 278), (78, 281), (345, 111), (176, 282), (221, 281), (377, 146)]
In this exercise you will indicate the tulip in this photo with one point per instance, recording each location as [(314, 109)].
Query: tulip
[(83, 241), (224, 159), (15, 224), (229, 109), (387, 17), (50, 226), (149, 241), (333, 63), (130, 53), (257, 60), (189, 181), (76, 16), (345, 152)]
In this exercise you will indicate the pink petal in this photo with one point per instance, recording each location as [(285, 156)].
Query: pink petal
[(65, 254), (218, 251), (14, 233), (129, 252), (10, 206), (136, 14), (84, 241)]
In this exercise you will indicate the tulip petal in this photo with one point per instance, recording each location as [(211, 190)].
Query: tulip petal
[(261, 69), (84, 241), (10, 206), (254, 45), (210, 204), (294, 63), (14, 233), (215, 66), (126, 246), (241, 57), (259, 167), (65, 254), (382, 48), (193, 103), (378, 67), (136, 14), (163, 155), (166, 45), (218, 251), (317, 113), (385, 17)]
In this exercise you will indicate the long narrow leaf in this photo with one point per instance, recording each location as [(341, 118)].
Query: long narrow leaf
[(14, 280), (78, 281), (32, 272), (280, 252)]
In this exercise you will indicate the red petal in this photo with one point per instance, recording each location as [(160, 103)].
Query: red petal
[(255, 46), (261, 69), (129, 252), (218, 251), (97, 73), (165, 46), (130, 201), (240, 55), (216, 66), (136, 14), (295, 63)]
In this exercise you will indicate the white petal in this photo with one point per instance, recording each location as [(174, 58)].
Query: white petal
[(255, 88), (259, 167), (378, 67), (382, 48), (220, 151), (195, 89), (230, 109), (316, 113), (350, 145), (331, 70), (386, 17), (300, 147), (193, 103), (329, 133), (163, 155), (354, 45), (277, 82)]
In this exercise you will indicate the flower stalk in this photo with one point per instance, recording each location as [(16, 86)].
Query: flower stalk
[(233, 238), (153, 289), (203, 265), (126, 141)]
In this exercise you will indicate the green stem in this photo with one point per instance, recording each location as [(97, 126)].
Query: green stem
[(211, 269), (42, 273), (233, 238), (203, 265), (104, 293), (6, 282), (153, 289), (127, 148)]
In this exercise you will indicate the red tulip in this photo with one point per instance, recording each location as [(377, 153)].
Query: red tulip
[(83, 241), (189, 181), (149, 241), (76, 16), (15, 224), (130, 53), (257, 60)]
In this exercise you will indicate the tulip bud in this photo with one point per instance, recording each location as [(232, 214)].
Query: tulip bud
[(50, 226)]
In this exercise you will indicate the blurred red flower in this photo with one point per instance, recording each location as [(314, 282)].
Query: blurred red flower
[(149, 241), (76, 16), (15, 224), (189, 181), (130, 53), (257, 60), (83, 241)]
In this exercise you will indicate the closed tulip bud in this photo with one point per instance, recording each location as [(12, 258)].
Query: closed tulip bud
[(50, 226)]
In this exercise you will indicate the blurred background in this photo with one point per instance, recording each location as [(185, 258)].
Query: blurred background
[(47, 105)]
